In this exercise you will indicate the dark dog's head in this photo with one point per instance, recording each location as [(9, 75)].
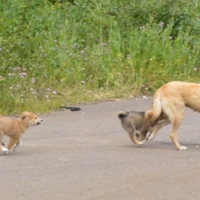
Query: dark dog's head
[(134, 124)]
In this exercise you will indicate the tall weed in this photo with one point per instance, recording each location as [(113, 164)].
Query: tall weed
[(67, 52)]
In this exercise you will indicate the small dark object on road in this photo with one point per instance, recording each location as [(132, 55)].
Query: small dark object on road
[(70, 108)]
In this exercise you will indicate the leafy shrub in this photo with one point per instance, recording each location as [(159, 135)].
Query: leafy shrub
[(66, 52)]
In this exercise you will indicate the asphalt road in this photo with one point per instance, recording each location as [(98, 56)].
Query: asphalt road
[(86, 155)]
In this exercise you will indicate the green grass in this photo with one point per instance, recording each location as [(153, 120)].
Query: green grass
[(53, 54)]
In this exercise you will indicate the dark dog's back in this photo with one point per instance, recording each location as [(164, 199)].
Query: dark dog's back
[(135, 125), (132, 118), (121, 114)]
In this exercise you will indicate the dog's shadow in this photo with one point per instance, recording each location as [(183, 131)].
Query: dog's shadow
[(162, 146)]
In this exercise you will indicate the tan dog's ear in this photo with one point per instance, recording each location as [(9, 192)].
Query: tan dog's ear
[(24, 115)]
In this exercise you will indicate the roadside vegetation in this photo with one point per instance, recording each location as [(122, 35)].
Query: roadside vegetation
[(68, 52)]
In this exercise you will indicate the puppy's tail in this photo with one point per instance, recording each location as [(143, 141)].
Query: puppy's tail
[(121, 114), (155, 111)]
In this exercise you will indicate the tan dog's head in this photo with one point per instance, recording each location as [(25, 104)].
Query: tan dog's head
[(31, 118)]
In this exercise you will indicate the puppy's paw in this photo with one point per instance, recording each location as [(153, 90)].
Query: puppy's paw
[(4, 149), (182, 148), (3, 144), (150, 137), (140, 143)]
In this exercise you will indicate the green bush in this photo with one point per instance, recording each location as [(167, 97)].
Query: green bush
[(67, 52)]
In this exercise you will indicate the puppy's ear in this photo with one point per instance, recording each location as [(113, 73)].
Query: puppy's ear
[(24, 115)]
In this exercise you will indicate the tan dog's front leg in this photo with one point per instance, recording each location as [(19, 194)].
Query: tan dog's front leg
[(12, 142)]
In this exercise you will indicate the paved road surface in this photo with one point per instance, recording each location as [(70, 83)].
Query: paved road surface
[(86, 155)]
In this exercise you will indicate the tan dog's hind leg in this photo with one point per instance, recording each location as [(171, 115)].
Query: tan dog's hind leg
[(173, 135), (176, 116), (12, 142), (156, 128), (175, 113)]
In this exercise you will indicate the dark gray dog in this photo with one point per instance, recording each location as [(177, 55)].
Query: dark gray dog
[(136, 125)]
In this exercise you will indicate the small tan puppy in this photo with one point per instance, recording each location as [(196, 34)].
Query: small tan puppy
[(15, 128), (135, 124), (170, 100)]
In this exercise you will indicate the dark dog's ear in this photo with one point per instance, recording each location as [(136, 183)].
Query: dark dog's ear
[(24, 115)]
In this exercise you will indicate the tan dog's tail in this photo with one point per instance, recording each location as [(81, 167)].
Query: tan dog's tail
[(156, 109)]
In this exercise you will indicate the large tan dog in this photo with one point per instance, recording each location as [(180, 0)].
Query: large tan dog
[(170, 101), (135, 125), (15, 128)]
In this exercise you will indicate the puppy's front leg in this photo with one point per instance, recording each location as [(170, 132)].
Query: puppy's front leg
[(18, 143), (133, 137), (2, 148), (142, 134), (12, 142)]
